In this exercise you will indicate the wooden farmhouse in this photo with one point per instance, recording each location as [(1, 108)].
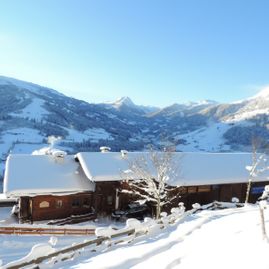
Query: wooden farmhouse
[(56, 186)]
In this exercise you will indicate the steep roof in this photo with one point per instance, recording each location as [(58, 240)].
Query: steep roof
[(43, 174), (193, 168)]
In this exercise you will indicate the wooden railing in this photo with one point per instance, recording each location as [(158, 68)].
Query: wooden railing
[(45, 231)]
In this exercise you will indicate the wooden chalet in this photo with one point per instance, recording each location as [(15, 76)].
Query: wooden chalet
[(47, 186), (54, 186)]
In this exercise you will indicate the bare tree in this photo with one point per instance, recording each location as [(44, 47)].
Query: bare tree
[(258, 165), (148, 178)]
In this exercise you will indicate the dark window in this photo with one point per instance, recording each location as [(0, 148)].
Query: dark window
[(76, 202), (215, 187), (109, 200), (257, 190), (86, 202)]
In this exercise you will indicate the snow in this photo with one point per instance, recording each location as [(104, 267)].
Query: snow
[(18, 135), (249, 114), (123, 101), (11, 139), (32, 174), (15, 247), (264, 94), (93, 134), (34, 110), (208, 139), (226, 239), (22, 135), (34, 88), (36, 252)]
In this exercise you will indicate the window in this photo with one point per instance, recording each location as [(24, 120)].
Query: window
[(59, 203), (192, 189), (109, 200), (76, 202), (86, 202), (215, 187), (44, 204)]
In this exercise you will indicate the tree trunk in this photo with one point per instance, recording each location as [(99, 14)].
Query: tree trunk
[(158, 209), (264, 234), (248, 190)]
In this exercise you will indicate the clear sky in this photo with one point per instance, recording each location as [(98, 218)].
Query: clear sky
[(156, 52)]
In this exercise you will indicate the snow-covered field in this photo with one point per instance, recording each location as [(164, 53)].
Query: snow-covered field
[(206, 139), (223, 239), (34, 110)]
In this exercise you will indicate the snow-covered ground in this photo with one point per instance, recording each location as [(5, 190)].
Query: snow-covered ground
[(94, 134), (223, 239), (208, 139), (15, 137), (34, 110)]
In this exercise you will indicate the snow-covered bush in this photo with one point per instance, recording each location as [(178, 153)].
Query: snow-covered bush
[(263, 204), (53, 240), (196, 206), (235, 200)]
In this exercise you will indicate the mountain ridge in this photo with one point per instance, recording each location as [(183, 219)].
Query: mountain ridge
[(29, 113)]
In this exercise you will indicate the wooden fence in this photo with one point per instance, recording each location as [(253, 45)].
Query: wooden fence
[(45, 231)]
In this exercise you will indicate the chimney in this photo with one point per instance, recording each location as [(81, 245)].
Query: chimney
[(105, 149)]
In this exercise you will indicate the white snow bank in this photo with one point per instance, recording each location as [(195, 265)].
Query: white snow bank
[(37, 251)]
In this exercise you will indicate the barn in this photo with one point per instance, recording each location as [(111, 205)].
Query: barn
[(53, 186)]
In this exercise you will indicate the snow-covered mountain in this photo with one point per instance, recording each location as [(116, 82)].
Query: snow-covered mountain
[(126, 104), (30, 113)]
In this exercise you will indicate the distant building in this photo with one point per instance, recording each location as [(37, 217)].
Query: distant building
[(56, 186)]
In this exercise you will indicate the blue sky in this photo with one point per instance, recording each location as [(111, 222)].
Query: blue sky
[(156, 52)]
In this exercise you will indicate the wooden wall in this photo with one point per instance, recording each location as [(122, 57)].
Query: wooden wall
[(104, 200), (47, 207), (222, 192)]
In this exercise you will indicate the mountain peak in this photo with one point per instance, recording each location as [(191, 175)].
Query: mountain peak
[(125, 100), (264, 93)]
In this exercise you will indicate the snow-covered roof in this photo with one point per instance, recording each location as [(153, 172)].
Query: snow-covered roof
[(43, 174), (193, 168), (46, 174)]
